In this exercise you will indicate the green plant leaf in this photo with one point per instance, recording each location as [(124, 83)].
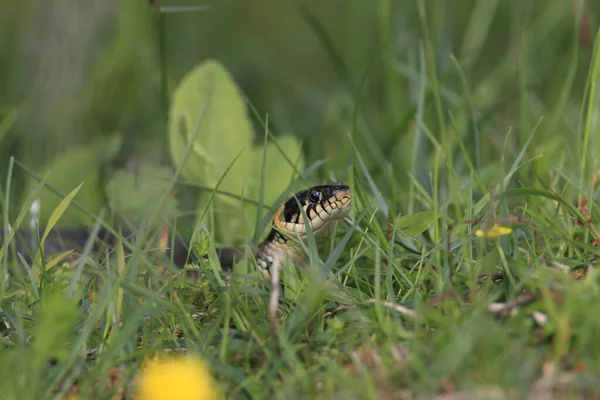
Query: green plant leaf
[(76, 165), (414, 224), (279, 172), (282, 161), (60, 210), (54, 217), (135, 195), (209, 126)]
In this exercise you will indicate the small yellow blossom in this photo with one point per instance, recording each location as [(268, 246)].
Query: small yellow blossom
[(493, 232), (177, 378)]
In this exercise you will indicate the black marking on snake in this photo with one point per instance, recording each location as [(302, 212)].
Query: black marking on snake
[(273, 234), (311, 207), (291, 206)]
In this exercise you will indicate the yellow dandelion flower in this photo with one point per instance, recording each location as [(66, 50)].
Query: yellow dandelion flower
[(493, 232), (177, 378)]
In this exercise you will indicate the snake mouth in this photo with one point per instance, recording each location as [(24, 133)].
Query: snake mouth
[(324, 205)]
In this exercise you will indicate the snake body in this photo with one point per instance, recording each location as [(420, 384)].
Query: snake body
[(324, 205)]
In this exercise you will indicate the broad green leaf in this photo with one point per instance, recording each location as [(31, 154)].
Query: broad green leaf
[(209, 126), (226, 210), (76, 165), (414, 224), (282, 161), (135, 195), (236, 220)]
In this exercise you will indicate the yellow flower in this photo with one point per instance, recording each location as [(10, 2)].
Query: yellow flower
[(177, 378), (493, 232)]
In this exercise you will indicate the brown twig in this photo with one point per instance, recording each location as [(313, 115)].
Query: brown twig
[(274, 297), (396, 307), (342, 307), (505, 309), (447, 295)]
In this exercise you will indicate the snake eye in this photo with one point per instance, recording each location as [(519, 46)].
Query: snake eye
[(314, 196)]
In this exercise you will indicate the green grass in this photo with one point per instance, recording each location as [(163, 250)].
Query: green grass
[(443, 120)]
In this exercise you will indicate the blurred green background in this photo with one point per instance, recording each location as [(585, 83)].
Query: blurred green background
[(85, 88)]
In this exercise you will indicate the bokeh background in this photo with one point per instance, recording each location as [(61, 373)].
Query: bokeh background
[(87, 85)]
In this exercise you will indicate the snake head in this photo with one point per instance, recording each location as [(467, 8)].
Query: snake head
[(324, 205)]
